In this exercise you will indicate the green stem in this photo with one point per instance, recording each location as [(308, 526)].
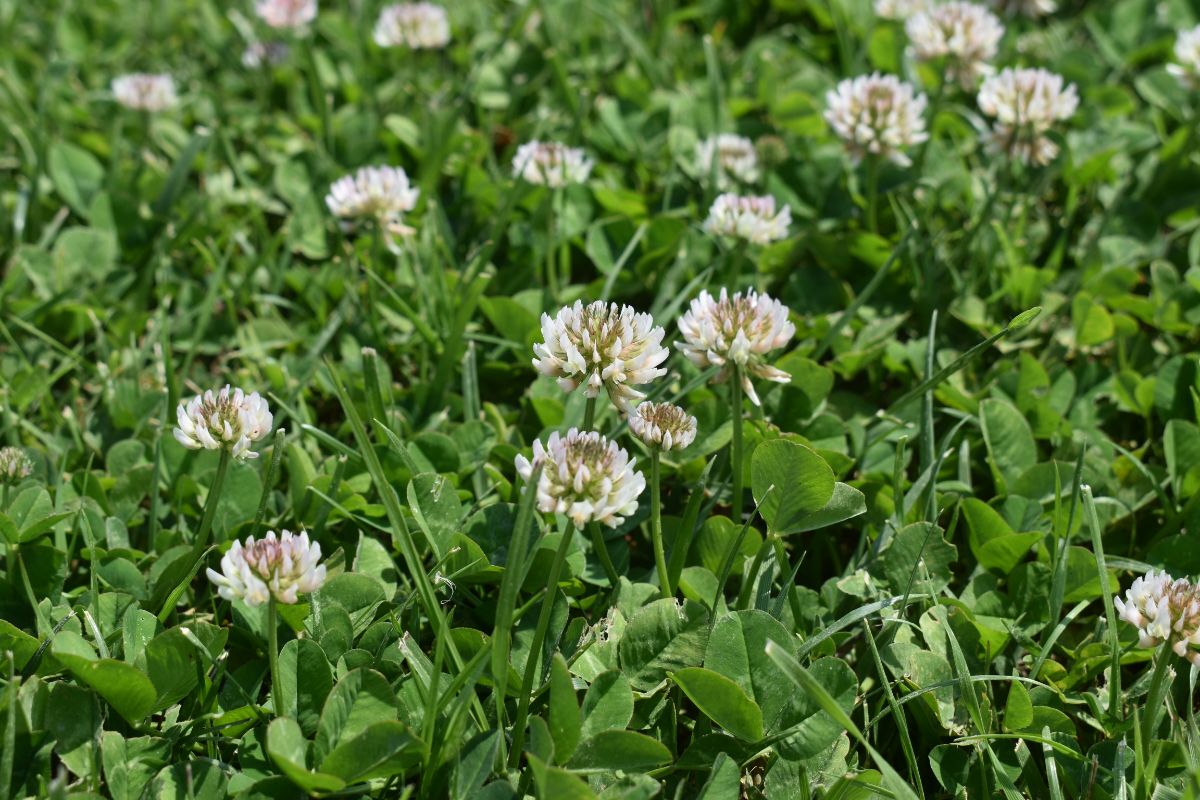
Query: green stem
[(735, 453), (268, 480), (785, 573), (273, 655), (601, 549), (589, 414), (210, 505), (656, 537), (28, 586), (873, 194), (1154, 698), (534, 659)]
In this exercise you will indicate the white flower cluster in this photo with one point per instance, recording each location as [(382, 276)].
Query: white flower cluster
[(417, 26), (1026, 103), (585, 477), (14, 465), (142, 91), (665, 426), (1164, 610), (551, 164), (264, 54), (965, 34), (877, 115), (380, 193), (601, 346), (900, 9), (751, 218), (1187, 57), (283, 567), (734, 156), (288, 14), (736, 331), (227, 419)]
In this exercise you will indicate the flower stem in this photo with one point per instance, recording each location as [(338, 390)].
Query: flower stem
[(1155, 697), (210, 505), (656, 537), (534, 659), (589, 414), (273, 655), (601, 549), (873, 194), (735, 452)]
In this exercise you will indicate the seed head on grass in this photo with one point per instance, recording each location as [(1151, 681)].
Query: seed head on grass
[(417, 26), (1026, 103), (754, 219), (736, 331), (283, 566), (1187, 58), (14, 465), (877, 115), (966, 35), (226, 419), (551, 164), (585, 477), (286, 14), (143, 91), (736, 160), (601, 346), (1164, 610), (663, 426)]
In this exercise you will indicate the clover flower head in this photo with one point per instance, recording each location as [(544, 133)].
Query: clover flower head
[(1026, 103), (417, 26), (1025, 8), (900, 9), (585, 477), (380, 193), (1187, 57), (736, 331), (283, 567), (751, 218), (664, 426), (735, 156), (551, 164), (601, 346), (1164, 610), (965, 34), (877, 115), (228, 419), (143, 91), (264, 54), (15, 465), (288, 14)]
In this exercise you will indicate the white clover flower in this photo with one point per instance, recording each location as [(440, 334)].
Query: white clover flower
[(1187, 54), (601, 346), (736, 158), (417, 26), (228, 419), (1164, 610), (380, 193), (584, 476), (900, 9), (877, 115), (290, 14), (551, 164), (751, 218), (965, 34), (264, 54), (1026, 8), (663, 425), (14, 465), (143, 91), (1026, 103), (283, 566), (736, 332)]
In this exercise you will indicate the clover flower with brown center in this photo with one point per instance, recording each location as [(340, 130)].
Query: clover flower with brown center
[(143, 91), (877, 115), (551, 164), (1026, 103), (14, 465), (380, 193), (735, 160), (282, 567), (1164, 610), (585, 477), (663, 426), (751, 218), (965, 34), (417, 26), (601, 346), (228, 419), (290, 14), (736, 331), (1187, 58)]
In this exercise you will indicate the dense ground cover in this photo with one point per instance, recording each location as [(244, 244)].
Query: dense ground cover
[(883, 547)]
